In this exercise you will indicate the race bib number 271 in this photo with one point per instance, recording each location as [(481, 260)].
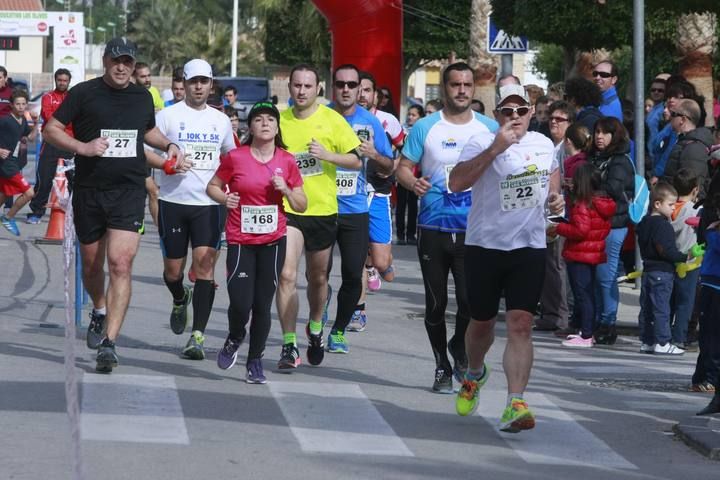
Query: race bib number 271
[(123, 143)]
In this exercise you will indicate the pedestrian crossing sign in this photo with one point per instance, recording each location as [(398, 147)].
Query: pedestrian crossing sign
[(499, 41)]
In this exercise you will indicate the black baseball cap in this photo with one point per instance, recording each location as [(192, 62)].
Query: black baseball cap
[(117, 47), (263, 107)]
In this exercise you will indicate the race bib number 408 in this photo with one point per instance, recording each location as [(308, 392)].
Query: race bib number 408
[(309, 166), (123, 143), (346, 183)]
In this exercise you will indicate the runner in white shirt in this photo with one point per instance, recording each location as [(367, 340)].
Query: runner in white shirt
[(511, 174), (187, 215)]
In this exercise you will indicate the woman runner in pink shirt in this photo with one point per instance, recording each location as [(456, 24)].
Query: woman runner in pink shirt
[(258, 175)]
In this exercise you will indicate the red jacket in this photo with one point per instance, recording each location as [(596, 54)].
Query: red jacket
[(586, 233), (50, 102)]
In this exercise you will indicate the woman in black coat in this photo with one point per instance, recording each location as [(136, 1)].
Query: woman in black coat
[(612, 157)]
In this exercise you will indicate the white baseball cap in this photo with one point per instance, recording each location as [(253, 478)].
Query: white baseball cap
[(512, 90), (197, 68)]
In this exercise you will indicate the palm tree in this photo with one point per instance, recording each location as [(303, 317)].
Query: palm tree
[(696, 41), (485, 64)]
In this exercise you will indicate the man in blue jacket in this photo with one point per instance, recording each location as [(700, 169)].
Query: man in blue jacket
[(605, 75)]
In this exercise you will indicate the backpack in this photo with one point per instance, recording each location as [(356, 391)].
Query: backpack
[(638, 205)]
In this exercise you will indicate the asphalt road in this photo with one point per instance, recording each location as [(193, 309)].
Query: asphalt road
[(602, 413)]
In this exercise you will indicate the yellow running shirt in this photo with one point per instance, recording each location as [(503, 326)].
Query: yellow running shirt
[(330, 129)]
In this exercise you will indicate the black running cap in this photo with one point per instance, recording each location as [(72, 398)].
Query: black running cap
[(117, 47), (263, 107)]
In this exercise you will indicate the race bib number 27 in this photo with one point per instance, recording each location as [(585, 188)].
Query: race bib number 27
[(123, 143)]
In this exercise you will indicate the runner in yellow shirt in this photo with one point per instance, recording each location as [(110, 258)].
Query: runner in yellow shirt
[(320, 139)]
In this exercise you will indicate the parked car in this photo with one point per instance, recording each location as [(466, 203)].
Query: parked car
[(249, 91)]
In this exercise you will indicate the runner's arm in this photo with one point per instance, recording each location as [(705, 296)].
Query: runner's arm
[(407, 179), (54, 133), (216, 190), (297, 199), (350, 160), (153, 159), (155, 138), (465, 174), (385, 164)]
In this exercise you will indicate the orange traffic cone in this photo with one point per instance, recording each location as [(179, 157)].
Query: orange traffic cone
[(55, 233)]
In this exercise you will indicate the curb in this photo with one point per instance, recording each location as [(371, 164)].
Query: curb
[(701, 433)]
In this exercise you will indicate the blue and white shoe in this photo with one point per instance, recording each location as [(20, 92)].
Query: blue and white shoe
[(358, 321), (10, 225), (337, 343)]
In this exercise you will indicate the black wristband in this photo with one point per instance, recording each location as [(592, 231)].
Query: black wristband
[(167, 148)]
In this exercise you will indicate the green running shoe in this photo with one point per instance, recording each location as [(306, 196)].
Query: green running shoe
[(179, 314), (467, 397), (516, 417), (194, 348)]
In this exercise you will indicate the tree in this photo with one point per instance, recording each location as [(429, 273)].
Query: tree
[(696, 41), (483, 62)]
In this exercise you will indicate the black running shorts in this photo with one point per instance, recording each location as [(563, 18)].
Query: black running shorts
[(97, 211), (182, 225), (519, 273), (319, 232)]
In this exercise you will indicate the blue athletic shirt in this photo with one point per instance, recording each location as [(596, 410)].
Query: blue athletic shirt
[(435, 144), (352, 184)]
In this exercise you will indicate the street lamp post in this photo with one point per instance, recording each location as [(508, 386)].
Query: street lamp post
[(233, 60)]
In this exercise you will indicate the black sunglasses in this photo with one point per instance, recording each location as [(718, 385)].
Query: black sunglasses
[(677, 114), (508, 111), (657, 90), (595, 73), (351, 85)]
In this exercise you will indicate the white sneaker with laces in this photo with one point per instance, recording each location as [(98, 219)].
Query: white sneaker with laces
[(668, 349)]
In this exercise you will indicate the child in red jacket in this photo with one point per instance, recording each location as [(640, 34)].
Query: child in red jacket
[(584, 247)]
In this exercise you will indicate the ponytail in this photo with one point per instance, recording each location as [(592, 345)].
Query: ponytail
[(580, 137)]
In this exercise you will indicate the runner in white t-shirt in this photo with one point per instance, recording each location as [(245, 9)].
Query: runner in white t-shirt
[(511, 174), (187, 215)]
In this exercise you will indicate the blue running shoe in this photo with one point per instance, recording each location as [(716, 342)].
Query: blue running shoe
[(255, 372), (227, 356), (10, 225), (324, 318), (337, 343), (358, 321)]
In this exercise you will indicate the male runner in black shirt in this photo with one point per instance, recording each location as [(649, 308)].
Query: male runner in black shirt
[(111, 118)]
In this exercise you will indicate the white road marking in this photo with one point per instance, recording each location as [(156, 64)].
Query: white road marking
[(336, 418), (132, 408), (557, 438)]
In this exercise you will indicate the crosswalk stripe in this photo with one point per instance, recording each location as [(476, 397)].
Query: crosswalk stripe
[(557, 438), (336, 418), (132, 408)]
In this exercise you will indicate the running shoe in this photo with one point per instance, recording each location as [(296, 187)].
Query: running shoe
[(443, 381), (337, 343), (95, 330), (517, 417), (316, 347), (106, 357), (10, 225), (577, 341), (358, 321), (668, 349), (227, 356), (467, 397), (647, 348), (32, 220), (324, 318), (179, 314), (460, 363), (289, 358), (194, 347), (255, 372), (374, 283)]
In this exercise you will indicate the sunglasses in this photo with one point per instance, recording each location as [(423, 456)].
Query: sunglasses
[(595, 73), (559, 119), (339, 84), (657, 90), (677, 114), (508, 111)]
